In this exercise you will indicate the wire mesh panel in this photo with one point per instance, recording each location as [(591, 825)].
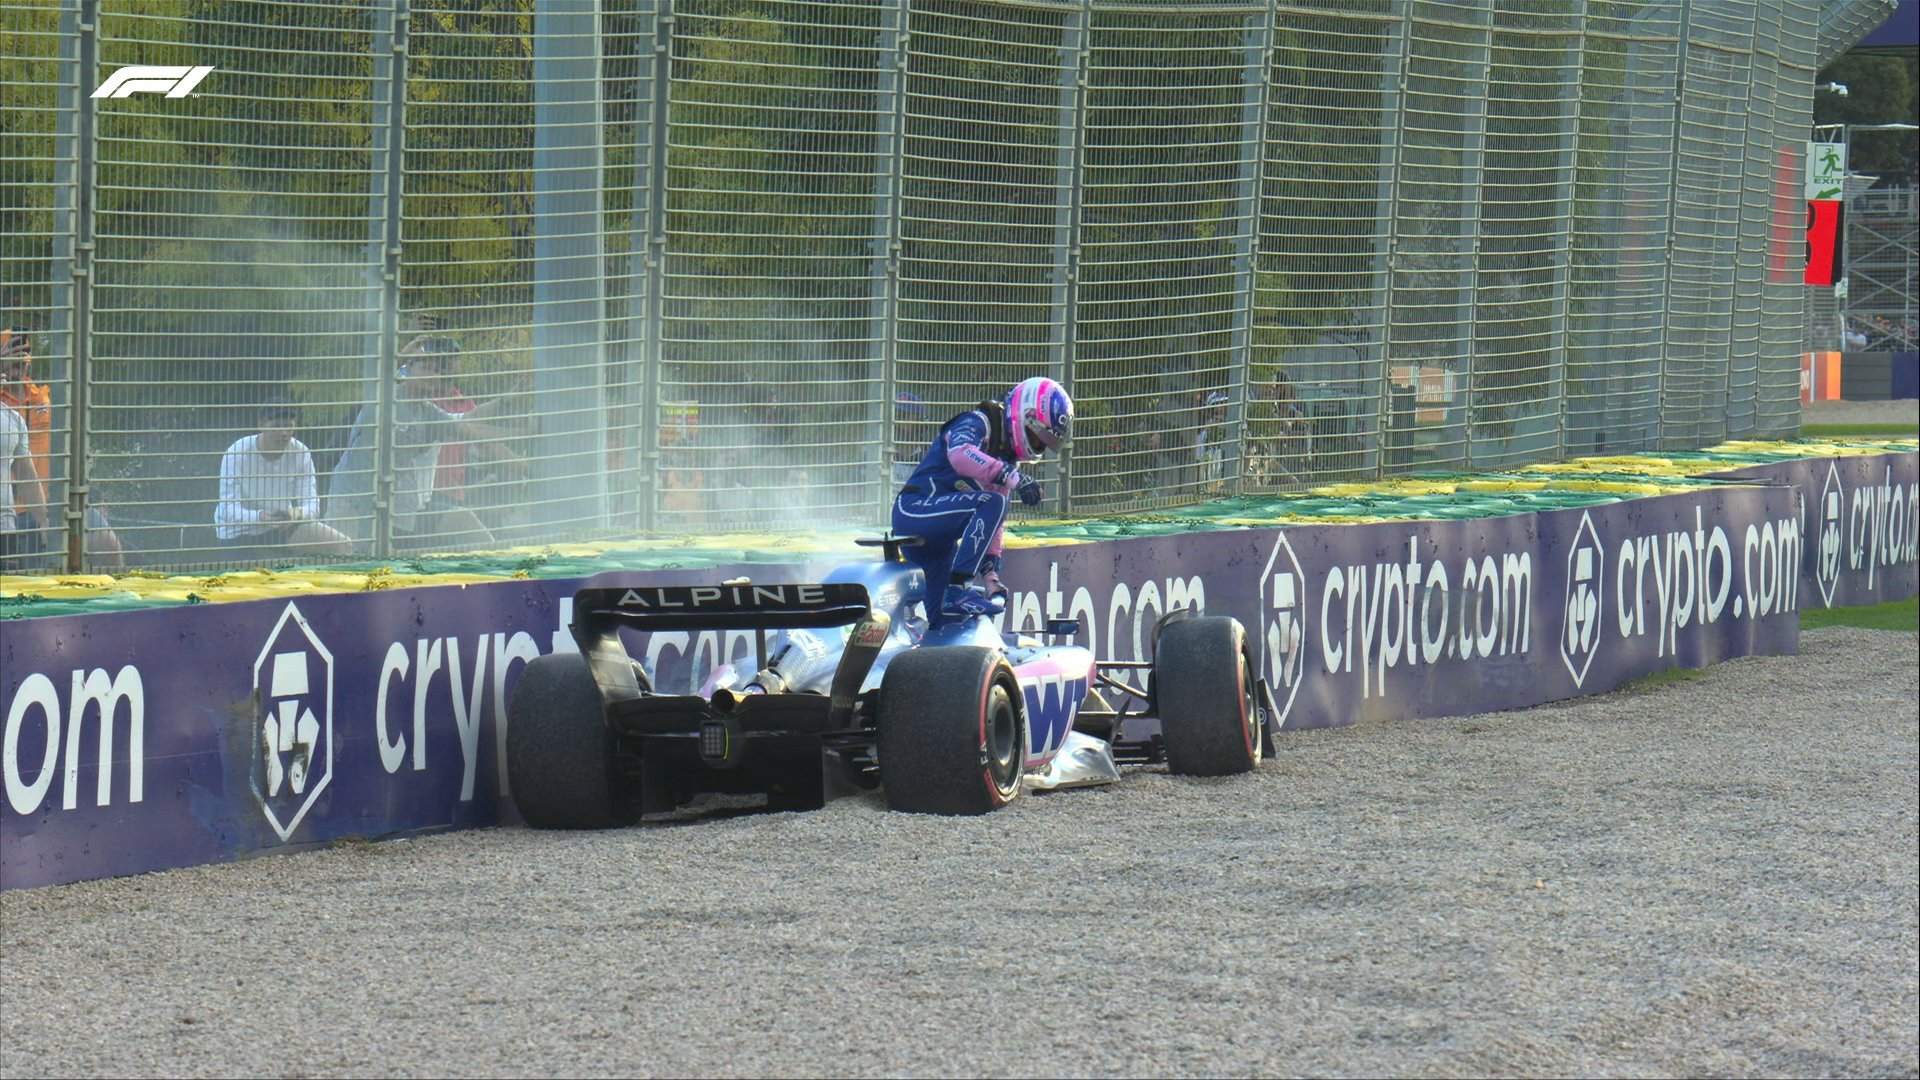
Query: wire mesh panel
[(540, 269), (230, 271), (39, 160), (477, 269), (1756, 208), (1166, 208), (1320, 315), (1840, 24), (1706, 221), (1622, 200), (771, 376), (635, 66), (1784, 317), (1432, 323), (987, 207), (1521, 274)]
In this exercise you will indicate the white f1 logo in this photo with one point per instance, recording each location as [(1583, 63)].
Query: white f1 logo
[(175, 82)]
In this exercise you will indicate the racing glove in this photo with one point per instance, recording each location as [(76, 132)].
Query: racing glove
[(1030, 492)]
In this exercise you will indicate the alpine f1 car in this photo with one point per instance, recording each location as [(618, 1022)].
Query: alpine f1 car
[(955, 719)]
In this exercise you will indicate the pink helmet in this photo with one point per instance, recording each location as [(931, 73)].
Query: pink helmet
[(1039, 417)]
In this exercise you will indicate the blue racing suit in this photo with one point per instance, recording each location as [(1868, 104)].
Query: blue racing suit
[(957, 499)]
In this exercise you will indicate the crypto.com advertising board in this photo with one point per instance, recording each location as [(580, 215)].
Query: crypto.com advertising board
[(1862, 525), (145, 740)]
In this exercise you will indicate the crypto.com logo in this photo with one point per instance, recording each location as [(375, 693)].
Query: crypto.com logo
[(1283, 595), (1832, 502), (175, 82), (1580, 637), (293, 685)]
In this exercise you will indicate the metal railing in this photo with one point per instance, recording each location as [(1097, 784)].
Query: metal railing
[(714, 265)]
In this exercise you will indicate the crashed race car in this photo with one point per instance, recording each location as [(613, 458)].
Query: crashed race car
[(851, 684)]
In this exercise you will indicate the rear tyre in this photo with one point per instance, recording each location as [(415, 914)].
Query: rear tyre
[(561, 758), (1203, 684), (951, 738)]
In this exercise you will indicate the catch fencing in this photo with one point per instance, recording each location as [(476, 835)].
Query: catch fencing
[(729, 264)]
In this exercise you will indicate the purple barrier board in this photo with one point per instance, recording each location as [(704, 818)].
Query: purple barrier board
[(1863, 525), (147, 740), (154, 739), (1443, 618)]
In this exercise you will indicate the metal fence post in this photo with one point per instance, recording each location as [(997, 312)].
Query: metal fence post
[(388, 162), (1673, 219), (1076, 47), (895, 43), (74, 185), (1394, 85), (653, 308), (1253, 189), (1473, 160), (1563, 286), (1740, 418)]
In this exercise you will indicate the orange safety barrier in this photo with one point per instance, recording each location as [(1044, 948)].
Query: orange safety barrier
[(1819, 377)]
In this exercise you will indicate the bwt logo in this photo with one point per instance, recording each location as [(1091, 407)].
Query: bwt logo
[(1580, 638), (1052, 701), (1283, 603), (293, 686), (175, 82), (1833, 497)]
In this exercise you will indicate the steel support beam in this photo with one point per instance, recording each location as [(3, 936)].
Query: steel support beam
[(653, 308), (1076, 47), (569, 269)]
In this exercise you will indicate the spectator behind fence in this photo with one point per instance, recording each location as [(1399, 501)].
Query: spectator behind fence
[(33, 402), (420, 427), (1276, 431), (269, 497), (489, 465), (1213, 448), (16, 473), (1153, 465)]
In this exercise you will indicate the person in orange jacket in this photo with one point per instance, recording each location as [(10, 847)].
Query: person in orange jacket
[(34, 403)]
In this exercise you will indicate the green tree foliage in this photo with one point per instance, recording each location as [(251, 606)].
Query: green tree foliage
[(1881, 89)]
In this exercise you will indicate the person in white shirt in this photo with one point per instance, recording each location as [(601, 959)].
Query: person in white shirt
[(16, 467), (269, 499), (1210, 446)]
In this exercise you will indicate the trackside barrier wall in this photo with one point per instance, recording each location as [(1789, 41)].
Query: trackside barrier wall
[(189, 735), (1862, 516)]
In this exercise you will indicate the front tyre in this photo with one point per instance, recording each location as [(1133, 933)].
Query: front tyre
[(951, 738), (561, 758), (1204, 685)]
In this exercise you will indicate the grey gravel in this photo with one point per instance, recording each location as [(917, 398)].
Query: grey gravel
[(1712, 876), (1905, 412)]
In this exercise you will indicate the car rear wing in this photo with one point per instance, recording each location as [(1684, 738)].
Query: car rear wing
[(716, 607), (600, 613)]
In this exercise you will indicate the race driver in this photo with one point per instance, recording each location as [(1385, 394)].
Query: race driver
[(957, 498)]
